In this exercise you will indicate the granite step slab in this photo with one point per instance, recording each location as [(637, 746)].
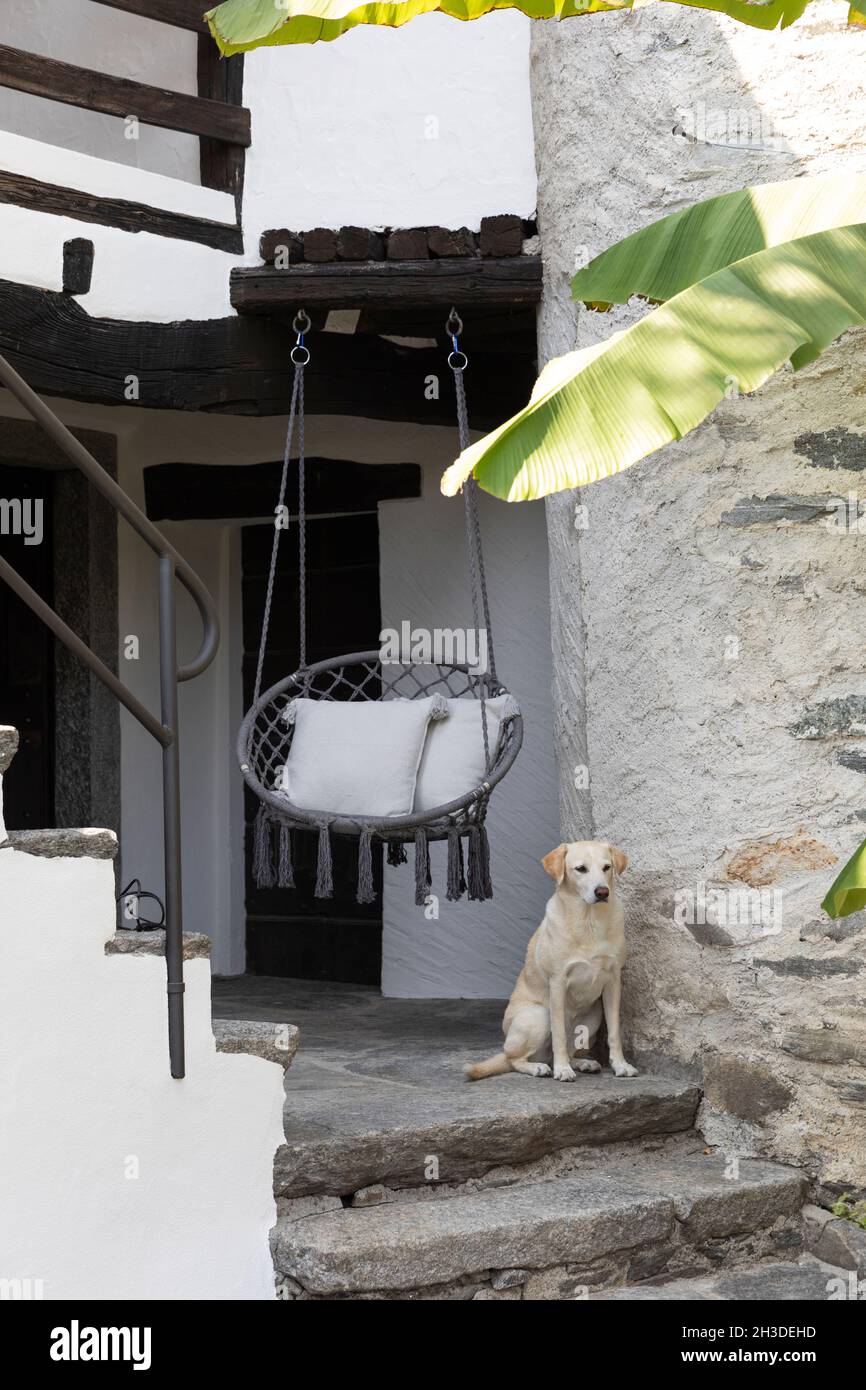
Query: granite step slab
[(353, 1132), (565, 1222), (771, 1283)]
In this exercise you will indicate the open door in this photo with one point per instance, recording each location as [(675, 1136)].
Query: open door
[(290, 932), (26, 647)]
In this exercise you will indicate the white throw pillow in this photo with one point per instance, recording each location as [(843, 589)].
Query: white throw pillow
[(453, 762), (357, 758)]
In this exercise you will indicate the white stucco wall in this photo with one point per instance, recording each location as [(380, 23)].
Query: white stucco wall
[(167, 1185), (426, 124), (159, 279), (430, 124), (109, 41), (475, 950)]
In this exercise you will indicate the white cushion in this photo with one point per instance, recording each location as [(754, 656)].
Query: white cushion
[(453, 761), (358, 757)]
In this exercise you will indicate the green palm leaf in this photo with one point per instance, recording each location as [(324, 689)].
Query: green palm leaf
[(239, 25), (667, 256), (596, 411), (848, 891)]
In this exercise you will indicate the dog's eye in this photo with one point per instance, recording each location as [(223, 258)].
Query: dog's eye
[(580, 869), (605, 867)]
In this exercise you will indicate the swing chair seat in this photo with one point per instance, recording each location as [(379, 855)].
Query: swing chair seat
[(265, 741)]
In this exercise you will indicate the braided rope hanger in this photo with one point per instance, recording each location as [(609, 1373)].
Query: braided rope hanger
[(477, 575), (458, 362), (300, 356)]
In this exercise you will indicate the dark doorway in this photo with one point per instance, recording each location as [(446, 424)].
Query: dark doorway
[(289, 931), (26, 647)]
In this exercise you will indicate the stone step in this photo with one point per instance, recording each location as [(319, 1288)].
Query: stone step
[(560, 1236), (771, 1283), (126, 942), (348, 1131), (63, 844), (274, 1042)]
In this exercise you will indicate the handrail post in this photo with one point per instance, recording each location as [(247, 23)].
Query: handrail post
[(171, 814)]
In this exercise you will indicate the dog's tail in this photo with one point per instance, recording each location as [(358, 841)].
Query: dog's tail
[(494, 1066)]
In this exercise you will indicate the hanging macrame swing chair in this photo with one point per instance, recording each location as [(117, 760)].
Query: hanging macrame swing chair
[(265, 738)]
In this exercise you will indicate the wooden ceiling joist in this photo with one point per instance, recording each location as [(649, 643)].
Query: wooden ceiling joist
[(510, 282)]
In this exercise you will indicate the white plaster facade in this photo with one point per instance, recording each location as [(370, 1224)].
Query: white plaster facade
[(119, 1182), (116, 43), (426, 124)]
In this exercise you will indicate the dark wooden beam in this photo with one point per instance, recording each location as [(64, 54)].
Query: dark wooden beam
[(183, 14), (119, 96), (221, 79), (117, 212), (240, 366), (513, 281), (208, 492), (77, 265)]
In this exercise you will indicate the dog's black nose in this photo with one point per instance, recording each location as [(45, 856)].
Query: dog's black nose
[(602, 893)]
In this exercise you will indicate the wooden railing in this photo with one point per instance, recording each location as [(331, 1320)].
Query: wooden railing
[(215, 115)]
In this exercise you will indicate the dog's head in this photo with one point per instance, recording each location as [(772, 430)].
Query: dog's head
[(586, 867)]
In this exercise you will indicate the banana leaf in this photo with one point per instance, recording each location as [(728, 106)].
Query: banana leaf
[(847, 893), (664, 258), (596, 411), (241, 25)]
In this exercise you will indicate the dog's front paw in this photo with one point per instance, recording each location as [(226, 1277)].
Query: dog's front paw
[(539, 1069), (623, 1069), (565, 1073), (587, 1064)]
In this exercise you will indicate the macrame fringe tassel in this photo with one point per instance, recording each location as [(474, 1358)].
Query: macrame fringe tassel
[(456, 877), (285, 868), (396, 854), (480, 884), (485, 860), (422, 868), (325, 867), (263, 862), (365, 893)]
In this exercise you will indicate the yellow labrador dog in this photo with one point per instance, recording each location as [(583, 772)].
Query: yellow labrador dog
[(572, 970)]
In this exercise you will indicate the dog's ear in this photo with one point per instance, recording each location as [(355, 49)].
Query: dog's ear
[(620, 860), (554, 862)]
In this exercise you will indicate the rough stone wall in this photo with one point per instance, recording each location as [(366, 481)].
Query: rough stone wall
[(708, 625)]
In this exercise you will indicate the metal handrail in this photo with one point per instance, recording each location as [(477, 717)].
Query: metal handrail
[(165, 729)]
